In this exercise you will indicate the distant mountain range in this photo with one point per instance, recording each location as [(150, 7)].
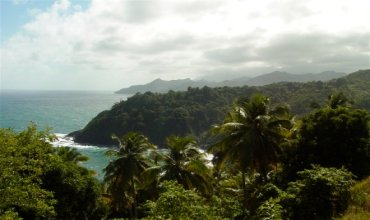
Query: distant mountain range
[(162, 86)]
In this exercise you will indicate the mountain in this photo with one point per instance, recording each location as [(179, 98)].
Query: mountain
[(194, 111), (288, 77), (162, 86), (328, 75)]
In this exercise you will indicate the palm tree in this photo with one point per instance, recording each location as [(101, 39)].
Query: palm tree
[(184, 162), (251, 135), (334, 101), (338, 99), (123, 174), (70, 154)]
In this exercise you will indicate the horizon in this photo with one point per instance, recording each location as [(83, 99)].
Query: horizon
[(100, 45), (150, 81)]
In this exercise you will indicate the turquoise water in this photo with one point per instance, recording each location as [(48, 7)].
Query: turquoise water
[(63, 111)]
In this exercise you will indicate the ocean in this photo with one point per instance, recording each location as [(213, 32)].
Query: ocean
[(63, 112)]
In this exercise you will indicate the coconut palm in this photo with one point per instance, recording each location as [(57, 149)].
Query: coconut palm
[(123, 174), (183, 161), (70, 154), (251, 135), (338, 99), (334, 101)]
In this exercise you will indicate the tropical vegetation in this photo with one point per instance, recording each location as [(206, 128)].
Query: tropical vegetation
[(260, 162), (38, 181), (251, 136), (193, 112)]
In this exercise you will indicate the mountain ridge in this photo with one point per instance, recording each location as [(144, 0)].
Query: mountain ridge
[(163, 86)]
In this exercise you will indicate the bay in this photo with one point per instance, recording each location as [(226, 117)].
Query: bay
[(63, 112)]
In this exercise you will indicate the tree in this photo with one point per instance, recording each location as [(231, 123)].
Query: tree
[(251, 135), (337, 100), (183, 161), (77, 192), (333, 136), (24, 157), (123, 174), (37, 183), (70, 154), (175, 202), (319, 193)]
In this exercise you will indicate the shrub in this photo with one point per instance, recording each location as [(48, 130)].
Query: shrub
[(320, 193)]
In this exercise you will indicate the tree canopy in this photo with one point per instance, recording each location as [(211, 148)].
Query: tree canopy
[(37, 183), (333, 137), (266, 164), (192, 112)]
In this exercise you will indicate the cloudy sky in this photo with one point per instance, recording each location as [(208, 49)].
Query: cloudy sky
[(110, 44)]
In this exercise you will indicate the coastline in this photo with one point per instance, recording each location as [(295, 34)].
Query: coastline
[(96, 154)]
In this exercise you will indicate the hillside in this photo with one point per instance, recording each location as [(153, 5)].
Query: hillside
[(192, 112), (162, 86), (288, 77)]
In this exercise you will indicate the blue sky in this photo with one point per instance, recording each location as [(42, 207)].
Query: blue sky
[(16, 13), (110, 44)]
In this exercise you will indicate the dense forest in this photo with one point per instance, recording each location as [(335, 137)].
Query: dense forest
[(263, 163), (192, 112)]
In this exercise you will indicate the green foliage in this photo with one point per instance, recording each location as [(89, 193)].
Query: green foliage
[(262, 197), (320, 193), (9, 215), (333, 138), (77, 192), (250, 137), (37, 183), (251, 134), (177, 203), (70, 154), (173, 113), (360, 194), (183, 161), (359, 204), (23, 159), (226, 207), (337, 100), (194, 111), (123, 175), (269, 210), (41, 182)]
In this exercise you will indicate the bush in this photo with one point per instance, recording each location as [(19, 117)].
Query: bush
[(320, 193), (333, 138), (37, 183), (177, 203), (359, 207), (269, 210)]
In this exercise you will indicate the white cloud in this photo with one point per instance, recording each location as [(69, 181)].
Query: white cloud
[(116, 43)]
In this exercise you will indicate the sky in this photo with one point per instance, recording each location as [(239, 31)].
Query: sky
[(111, 44)]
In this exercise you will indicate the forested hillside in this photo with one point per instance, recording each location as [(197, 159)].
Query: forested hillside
[(262, 163), (192, 112)]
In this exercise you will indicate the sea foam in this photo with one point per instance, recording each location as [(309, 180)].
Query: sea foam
[(63, 140), (97, 158)]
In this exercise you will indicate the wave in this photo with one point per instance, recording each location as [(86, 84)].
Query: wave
[(97, 158), (63, 140)]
